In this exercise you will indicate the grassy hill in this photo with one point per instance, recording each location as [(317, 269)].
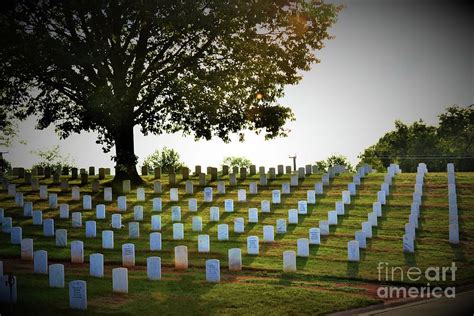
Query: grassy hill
[(324, 282)]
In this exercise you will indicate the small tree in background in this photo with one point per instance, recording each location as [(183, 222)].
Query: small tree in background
[(333, 160), (240, 162), (168, 160), (52, 158)]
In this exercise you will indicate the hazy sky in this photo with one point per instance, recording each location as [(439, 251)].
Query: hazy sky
[(390, 60)]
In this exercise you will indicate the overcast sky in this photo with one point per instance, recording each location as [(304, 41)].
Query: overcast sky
[(390, 60)]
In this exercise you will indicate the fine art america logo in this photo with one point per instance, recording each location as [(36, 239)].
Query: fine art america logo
[(415, 274)]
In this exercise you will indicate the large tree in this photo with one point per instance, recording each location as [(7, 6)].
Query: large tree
[(202, 67)]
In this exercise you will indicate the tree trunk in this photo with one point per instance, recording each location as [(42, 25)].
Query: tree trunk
[(125, 160)]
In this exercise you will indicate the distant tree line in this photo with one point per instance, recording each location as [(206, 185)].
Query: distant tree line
[(451, 141)]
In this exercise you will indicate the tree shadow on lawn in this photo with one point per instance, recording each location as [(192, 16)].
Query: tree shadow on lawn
[(352, 269)]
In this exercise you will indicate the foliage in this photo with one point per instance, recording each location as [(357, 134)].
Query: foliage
[(333, 160), (8, 128), (234, 161), (52, 158), (203, 68), (409, 145), (168, 160), (5, 165)]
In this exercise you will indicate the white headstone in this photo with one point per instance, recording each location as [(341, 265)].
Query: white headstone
[(235, 259), (361, 239), (126, 186), (239, 225), (311, 196), (108, 196), (153, 268), (208, 194), (107, 239), (265, 206), (76, 219), (372, 218), (53, 200), (285, 188), (203, 243), (155, 222), (181, 257), (37, 218), (222, 232), (48, 227), (281, 226), (352, 188), (302, 207), (353, 250), (155, 241), (340, 208), (157, 187), (61, 237), (381, 197), (367, 229), (346, 197), (377, 208), (75, 193), (128, 255), (241, 195), (122, 203), (157, 205), (408, 243), (189, 187), (192, 205), (302, 247), (16, 235), (78, 295), (100, 211), (19, 200), (318, 188), (323, 228), (56, 275), (40, 261), (252, 245), (174, 195), (91, 229), (213, 271), (332, 217), (43, 192), (314, 236), (116, 221), (64, 211), (138, 213), (214, 214), (87, 202), (253, 188), (134, 230), (276, 197), (293, 216), (228, 205), (120, 280), (27, 209), (294, 181), (178, 231), (289, 261), (253, 215), (140, 194), (77, 251), (27, 249), (268, 233), (221, 187), (175, 213), (96, 265), (12, 190), (454, 233)]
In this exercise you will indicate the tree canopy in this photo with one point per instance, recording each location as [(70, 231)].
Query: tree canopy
[(203, 68), (407, 145)]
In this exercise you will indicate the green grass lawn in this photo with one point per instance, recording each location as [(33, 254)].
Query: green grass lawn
[(324, 282)]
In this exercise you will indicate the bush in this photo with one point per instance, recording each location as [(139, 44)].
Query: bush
[(52, 158), (333, 160), (240, 162), (168, 160)]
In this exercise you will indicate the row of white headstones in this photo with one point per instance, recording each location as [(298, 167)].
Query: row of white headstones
[(56, 271)]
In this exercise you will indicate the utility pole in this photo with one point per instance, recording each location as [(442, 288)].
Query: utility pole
[(294, 161)]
